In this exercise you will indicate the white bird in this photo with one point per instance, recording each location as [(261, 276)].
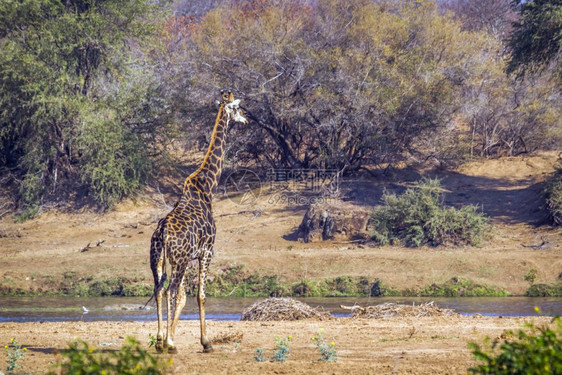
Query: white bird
[(85, 310)]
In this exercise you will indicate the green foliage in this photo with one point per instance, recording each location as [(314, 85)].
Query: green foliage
[(553, 196), (328, 352), (281, 351), (456, 287), (152, 340), (417, 217), (306, 288), (115, 286), (534, 350), (236, 282), (531, 276), (131, 358), (536, 41), (15, 353), (545, 290), (71, 97)]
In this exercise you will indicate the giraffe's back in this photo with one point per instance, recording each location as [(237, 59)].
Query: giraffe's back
[(188, 231)]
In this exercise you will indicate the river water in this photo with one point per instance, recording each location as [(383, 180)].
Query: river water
[(45, 309)]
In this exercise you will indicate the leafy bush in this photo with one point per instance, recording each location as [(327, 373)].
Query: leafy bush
[(417, 217), (544, 290), (535, 350), (80, 358), (553, 196)]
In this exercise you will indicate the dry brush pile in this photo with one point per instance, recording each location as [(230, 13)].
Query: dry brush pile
[(286, 309), (392, 310)]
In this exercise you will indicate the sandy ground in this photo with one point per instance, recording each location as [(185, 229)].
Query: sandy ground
[(44, 254), (364, 346)]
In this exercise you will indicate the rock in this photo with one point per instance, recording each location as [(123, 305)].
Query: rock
[(334, 221)]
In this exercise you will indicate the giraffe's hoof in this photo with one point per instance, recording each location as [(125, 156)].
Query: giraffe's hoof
[(159, 346), (208, 349), (172, 350)]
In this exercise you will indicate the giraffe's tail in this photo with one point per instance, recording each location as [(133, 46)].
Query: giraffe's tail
[(158, 287), (164, 276)]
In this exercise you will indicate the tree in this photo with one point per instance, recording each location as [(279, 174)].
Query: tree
[(493, 16), (71, 93), (537, 37), (332, 84)]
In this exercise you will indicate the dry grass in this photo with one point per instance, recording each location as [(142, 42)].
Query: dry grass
[(286, 309), (386, 310), (228, 337)]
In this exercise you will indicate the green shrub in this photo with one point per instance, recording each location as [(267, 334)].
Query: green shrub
[(553, 196), (417, 217), (531, 276), (545, 290), (80, 358), (306, 288), (534, 350)]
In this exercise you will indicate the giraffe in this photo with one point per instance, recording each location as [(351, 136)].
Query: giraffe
[(187, 233)]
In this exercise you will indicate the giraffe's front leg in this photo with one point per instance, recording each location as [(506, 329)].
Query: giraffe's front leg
[(203, 265)]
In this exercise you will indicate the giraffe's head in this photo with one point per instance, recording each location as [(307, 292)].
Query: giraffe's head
[(232, 108)]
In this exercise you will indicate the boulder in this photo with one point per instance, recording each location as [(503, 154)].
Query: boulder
[(334, 221)]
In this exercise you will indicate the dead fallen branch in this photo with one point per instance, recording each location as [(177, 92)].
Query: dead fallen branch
[(283, 309), (389, 309)]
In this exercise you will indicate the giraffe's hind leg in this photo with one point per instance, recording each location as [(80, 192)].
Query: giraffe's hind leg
[(176, 301), (157, 266), (203, 267)]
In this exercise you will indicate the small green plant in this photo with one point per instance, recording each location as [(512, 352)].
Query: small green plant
[(417, 217), (327, 350), (259, 355), (531, 276), (281, 351), (80, 358), (151, 340), (15, 353), (533, 350)]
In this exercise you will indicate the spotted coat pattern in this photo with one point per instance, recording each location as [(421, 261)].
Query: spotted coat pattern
[(187, 234)]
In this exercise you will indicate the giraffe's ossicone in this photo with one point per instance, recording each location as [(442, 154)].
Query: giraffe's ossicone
[(187, 234)]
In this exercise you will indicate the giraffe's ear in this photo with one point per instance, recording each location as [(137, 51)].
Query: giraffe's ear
[(217, 103), (230, 97)]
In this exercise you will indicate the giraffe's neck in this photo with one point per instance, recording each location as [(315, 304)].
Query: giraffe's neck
[(210, 170)]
